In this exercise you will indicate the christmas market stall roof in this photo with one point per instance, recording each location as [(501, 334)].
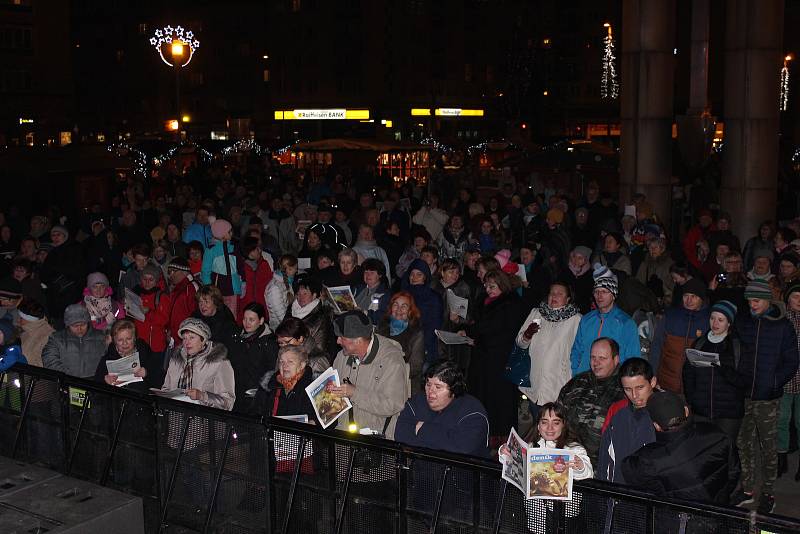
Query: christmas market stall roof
[(369, 145)]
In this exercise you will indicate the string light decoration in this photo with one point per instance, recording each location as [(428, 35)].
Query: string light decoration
[(174, 37), (784, 98), (609, 85)]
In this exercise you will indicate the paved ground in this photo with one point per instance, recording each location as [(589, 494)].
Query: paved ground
[(787, 491)]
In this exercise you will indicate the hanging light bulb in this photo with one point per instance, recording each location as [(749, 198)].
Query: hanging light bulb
[(609, 85), (784, 98)]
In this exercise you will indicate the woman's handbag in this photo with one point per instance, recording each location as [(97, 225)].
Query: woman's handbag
[(518, 368)]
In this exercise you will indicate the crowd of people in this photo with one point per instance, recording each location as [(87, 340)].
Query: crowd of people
[(231, 277)]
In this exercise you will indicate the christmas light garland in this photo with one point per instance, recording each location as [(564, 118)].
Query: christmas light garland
[(609, 85), (783, 101)]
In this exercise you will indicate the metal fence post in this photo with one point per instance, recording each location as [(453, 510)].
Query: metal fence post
[(22, 416), (217, 481), (345, 491), (498, 512), (437, 508), (402, 493), (112, 448), (174, 473), (77, 431), (293, 485)]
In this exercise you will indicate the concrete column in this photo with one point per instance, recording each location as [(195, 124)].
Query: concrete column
[(753, 58), (698, 81), (648, 39)]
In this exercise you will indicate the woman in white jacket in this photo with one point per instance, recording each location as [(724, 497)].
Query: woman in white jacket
[(551, 431), (548, 333), (279, 295)]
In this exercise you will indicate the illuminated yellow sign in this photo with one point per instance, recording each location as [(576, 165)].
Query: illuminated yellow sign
[(447, 112), (458, 112), (322, 114), (25, 121)]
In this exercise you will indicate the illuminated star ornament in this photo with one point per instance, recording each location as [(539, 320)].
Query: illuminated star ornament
[(174, 37), (609, 85), (784, 98)]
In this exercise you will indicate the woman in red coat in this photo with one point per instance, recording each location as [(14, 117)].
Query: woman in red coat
[(156, 304), (257, 274)]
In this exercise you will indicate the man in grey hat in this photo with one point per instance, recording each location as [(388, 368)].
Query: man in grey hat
[(77, 348), (374, 374)]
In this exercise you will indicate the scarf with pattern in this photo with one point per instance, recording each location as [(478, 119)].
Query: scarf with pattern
[(185, 381), (556, 315)]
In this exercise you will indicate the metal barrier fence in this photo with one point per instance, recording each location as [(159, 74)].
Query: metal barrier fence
[(200, 469)]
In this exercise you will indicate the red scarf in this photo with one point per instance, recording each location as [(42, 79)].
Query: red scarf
[(289, 383)]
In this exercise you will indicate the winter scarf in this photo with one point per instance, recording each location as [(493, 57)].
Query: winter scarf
[(99, 308), (556, 315), (185, 381), (300, 312), (289, 383), (396, 326)]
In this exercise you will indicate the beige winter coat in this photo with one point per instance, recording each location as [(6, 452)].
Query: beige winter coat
[(212, 374), (33, 338)]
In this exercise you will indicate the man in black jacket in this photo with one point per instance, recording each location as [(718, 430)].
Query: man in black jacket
[(689, 460)]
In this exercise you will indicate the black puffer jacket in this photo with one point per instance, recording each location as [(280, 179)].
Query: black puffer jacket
[(222, 325), (696, 462), (251, 358), (712, 391)]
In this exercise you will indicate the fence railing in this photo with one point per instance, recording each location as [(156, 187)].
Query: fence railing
[(206, 470)]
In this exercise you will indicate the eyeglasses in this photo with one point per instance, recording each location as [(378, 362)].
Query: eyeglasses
[(491, 286)]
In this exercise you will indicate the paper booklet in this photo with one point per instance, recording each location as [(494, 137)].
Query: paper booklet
[(327, 406), (342, 298), (521, 272), (457, 305), (304, 264), (174, 394), (540, 473), (133, 305), (698, 358), (451, 338), (124, 369)]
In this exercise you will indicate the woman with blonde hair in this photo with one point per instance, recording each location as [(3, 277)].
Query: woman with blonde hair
[(279, 295)]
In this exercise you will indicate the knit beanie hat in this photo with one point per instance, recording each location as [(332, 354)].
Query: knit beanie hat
[(586, 252), (758, 289), (695, 287), (61, 230), (728, 309), (10, 288), (503, 256), (152, 270), (76, 313), (178, 264), (793, 287), (220, 229), (196, 326), (96, 278), (605, 279)]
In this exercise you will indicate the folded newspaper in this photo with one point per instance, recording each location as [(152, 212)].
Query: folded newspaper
[(698, 358), (452, 338), (457, 305), (124, 369), (342, 298), (327, 406), (133, 305), (539, 473)]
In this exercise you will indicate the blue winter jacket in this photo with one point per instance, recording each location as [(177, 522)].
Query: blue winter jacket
[(13, 354), (198, 232), (214, 263), (625, 431), (616, 324), (769, 353)]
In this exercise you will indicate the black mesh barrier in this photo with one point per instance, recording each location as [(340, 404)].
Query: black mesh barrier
[(205, 470)]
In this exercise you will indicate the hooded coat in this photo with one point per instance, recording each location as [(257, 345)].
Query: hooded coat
[(674, 334), (429, 303)]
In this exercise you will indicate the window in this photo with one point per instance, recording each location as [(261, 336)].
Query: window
[(295, 5), (15, 38), (142, 28), (467, 72), (266, 75), (12, 81)]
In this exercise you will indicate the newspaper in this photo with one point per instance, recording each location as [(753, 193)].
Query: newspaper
[(698, 358), (548, 474), (457, 305), (342, 298), (451, 338), (328, 407), (514, 466), (539, 473), (124, 369), (133, 305)]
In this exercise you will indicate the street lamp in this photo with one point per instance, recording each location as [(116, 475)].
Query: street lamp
[(171, 45)]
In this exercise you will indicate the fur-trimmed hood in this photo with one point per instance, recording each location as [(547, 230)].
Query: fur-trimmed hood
[(217, 352)]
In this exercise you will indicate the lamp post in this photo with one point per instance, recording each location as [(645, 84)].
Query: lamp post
[(172, 45)]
